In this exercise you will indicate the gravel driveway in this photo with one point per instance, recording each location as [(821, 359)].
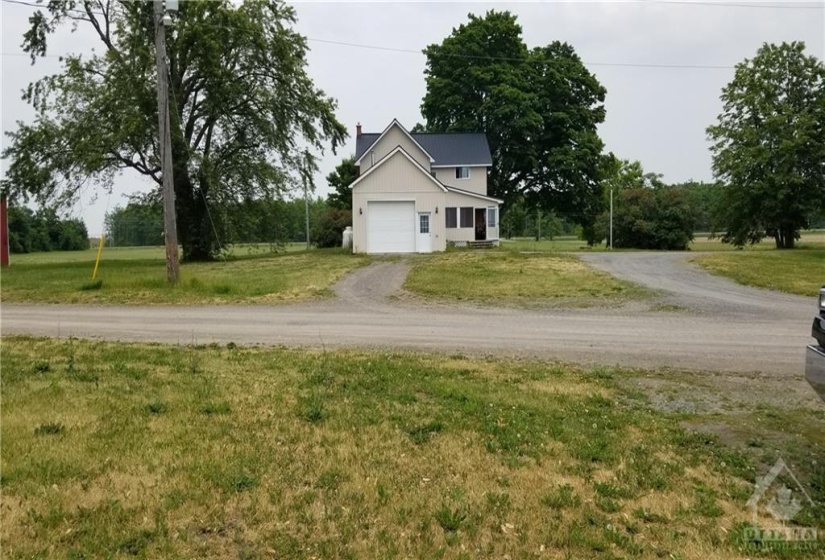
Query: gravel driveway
[(725, 328), (686, 285)]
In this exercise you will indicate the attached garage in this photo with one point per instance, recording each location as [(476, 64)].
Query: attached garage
[(390, 227)]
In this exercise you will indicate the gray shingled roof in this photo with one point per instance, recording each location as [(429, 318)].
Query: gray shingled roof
[(458, 148)]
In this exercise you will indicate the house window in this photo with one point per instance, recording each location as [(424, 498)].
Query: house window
[(462, 172), (452, 217), (491, 217), (424, 223), (466, 216)]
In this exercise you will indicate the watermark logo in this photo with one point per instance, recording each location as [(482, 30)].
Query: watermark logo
[(780, 495)]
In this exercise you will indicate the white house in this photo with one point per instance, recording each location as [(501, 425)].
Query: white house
[(419, 192)]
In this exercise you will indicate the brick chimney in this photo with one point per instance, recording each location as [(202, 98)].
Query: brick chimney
[(358, 130)]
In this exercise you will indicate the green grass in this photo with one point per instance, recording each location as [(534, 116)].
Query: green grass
[(139, 253), (800, 271), (810, 239), (130, 276), (256, 453), (813, 239), (558, 244), (510, 277)]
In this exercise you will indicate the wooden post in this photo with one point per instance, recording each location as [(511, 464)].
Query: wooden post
[(4, 232), (170, 227)]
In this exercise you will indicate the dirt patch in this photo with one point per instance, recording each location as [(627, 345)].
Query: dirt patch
[(714, 392)]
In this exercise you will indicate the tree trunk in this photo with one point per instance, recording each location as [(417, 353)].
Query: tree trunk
[(193, 219), (785, 237), (789, 238)]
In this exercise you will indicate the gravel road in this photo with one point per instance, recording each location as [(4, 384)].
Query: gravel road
[(724, 328)]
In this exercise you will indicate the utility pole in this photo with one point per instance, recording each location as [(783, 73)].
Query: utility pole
[(611, 217), (4, 231), (170, 228), (306, 211)]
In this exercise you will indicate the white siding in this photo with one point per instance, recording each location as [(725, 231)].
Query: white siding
[(477, 182), (458, 200), (398, 179), (392, 139)]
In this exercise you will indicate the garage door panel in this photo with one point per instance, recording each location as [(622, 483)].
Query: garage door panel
[(390, 227)]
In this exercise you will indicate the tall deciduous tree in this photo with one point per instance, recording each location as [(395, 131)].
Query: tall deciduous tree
[(769, 146), (245, 116), (539, 109), (339, 181)]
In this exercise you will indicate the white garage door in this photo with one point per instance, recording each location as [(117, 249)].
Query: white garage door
[(391, 227)]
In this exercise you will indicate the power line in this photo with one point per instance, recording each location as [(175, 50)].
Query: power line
[(42, 6), (512, 59), (758, 5), (764, 5)]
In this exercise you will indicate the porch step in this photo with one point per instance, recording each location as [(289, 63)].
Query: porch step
[(487, 244)]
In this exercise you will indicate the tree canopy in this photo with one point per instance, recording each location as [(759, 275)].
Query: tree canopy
[(246, 119), (339, 182), (769, 146), (44, 230), (539, 109)]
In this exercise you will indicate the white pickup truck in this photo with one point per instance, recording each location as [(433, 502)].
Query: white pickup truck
[(815, 353)]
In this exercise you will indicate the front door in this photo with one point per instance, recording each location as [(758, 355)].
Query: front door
[(425, 239), (481, 224)]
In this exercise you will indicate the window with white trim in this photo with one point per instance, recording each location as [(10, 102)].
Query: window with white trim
[(462, 172), (451, 215), (466, 215), (491, 217), (424, 223)]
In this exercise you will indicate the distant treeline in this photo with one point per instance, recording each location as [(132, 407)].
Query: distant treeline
[(252, 221), (44, 230)]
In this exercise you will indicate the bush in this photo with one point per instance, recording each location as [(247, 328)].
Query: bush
[(329, 231), (660, 218)]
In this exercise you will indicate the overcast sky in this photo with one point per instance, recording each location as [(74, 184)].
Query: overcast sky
[(654, 114)]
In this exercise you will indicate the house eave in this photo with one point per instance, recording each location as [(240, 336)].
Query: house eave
[(386, 158), (405, 131)]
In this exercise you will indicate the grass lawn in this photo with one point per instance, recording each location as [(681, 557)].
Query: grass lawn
[(558, 244), (810, 239), (138, 276), (139, 253), (512, 277), (129, 450), (813, 239), (799, 271)]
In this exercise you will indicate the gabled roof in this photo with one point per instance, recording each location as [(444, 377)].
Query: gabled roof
[(386, 158), (448, 149), (392, 124)]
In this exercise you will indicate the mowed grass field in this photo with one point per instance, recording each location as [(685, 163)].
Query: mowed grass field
[(138, 276), (512, 277), (130, 450), (801, 271)]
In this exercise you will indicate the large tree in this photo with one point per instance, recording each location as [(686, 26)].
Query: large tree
[(246, 118), (539, 109), (340, 182), (769, 146)]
